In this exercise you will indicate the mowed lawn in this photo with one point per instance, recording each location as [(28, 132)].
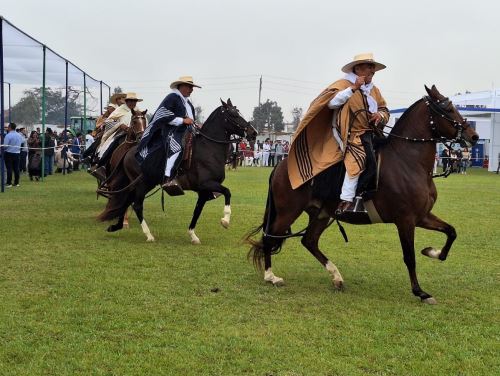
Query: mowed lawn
[(76, 300)]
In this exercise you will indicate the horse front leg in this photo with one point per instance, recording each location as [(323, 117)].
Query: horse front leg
[(200, 204), (138, 207), (213, 188), (407, 236), (431, 222)]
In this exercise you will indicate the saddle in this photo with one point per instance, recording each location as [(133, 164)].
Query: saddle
[(327, 185)]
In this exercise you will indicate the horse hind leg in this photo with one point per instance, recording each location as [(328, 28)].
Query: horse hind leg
[(407, 236), (310, 241), (117, 226), (431, 222)]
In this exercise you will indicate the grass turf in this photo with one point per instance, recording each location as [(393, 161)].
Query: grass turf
[(78, 300)]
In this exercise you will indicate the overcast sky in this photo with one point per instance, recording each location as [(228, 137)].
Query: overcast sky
[(298, 47)]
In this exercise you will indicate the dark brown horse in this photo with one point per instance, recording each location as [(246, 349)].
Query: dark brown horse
[(405, 196), (204, 176)]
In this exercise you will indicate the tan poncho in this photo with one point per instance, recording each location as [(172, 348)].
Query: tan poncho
[(314, 148)]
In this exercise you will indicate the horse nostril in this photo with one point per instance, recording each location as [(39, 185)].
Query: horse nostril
[(475, 137)]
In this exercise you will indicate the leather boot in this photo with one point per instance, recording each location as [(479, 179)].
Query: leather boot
[(344, 206), (172, 187)]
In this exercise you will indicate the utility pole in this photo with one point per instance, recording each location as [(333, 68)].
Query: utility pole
[(260, 88)]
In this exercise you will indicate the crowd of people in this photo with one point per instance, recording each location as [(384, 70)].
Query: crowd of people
[(23, 153), (267, 153), (455, 160)]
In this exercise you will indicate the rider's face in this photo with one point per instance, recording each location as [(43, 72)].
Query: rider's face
[(366, 70), (185, 90), (120, 101), (131, 103)]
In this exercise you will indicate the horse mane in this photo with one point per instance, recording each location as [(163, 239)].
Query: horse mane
[(212, 116), (405, 115)]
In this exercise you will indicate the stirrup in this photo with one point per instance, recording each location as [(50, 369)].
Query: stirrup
[(172, 187)]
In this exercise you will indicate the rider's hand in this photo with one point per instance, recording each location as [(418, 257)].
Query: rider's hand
[(360, 80), (187, 121), (375, 118)]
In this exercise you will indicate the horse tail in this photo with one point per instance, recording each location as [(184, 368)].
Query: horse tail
[(271, 244), (118, 202)]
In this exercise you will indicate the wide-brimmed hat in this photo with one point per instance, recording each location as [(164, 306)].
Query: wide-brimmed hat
[(360, 59), (188, 80), (110, 105), (132, 97), (115, 96)]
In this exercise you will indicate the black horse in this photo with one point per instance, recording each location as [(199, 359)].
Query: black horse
[(204, 176)]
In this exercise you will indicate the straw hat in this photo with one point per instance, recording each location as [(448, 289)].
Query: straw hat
[(360, 59), (115, 96), (132, 97), (183, 80), (110, 105)]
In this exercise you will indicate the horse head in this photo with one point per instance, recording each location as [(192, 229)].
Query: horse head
[(445, 120), (138, 123), (236, 123)]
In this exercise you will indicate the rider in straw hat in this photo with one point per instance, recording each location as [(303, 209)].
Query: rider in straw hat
[(114, 126), (352, 106), (171, 120)]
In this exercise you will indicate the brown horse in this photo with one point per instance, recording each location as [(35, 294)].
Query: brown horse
[(204, 176), (405, 196)]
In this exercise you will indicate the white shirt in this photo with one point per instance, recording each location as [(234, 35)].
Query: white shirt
[(89, 140), (179, 120)]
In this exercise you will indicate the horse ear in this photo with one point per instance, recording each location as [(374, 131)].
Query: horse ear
[(229, 102), (144, 112), (428, 90), (224, 104)]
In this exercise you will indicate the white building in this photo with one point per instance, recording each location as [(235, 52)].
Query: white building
[(482, 110)]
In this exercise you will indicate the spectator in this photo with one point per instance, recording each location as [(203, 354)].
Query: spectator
[(23, 156), (48, 144), (466, 155), (279, 151), (272, 153), (445, 159), (34, 156), (286, 149), (265, 153), (76, 151), (12, 149)]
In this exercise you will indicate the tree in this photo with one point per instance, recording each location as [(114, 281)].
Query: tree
[(28, 110), (200, 118), (297, 116), (268, 116)]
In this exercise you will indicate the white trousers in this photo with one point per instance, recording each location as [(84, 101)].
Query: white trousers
[(170, 163), (349, 187), (265, 158)]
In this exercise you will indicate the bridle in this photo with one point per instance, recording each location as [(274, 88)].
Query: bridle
[(138, 133), (437, 108), (227, 119)]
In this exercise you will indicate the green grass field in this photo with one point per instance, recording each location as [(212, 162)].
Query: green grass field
[(76, 300)]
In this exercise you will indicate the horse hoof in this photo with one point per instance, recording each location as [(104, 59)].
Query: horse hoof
[(278, 282), (224, 223), (126, 225), (195, 241), (113, 228), (339, 285), (150, 240), (429, 300), (431, 252)]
